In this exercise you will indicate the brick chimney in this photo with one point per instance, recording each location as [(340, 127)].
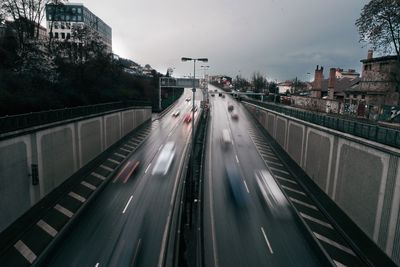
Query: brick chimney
[(331, 83), (317, 84), (370, 54)]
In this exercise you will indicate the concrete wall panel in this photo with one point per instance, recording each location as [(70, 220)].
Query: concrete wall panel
[(14, 179), (112, 129), (295, 141), (90, 139), (57, 159), (271, 124), (318, 156), (281, 127), (360, 185), (127, 122)]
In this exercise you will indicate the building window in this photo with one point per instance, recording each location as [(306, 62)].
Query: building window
[(56, 35), (62, 25), (367, 67), (51, 34), (73, 10), (63, 35), (79, 18), (79, 10), (68, 35), (363, 97)]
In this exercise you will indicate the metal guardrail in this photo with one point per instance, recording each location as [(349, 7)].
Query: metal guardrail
[(22, 121), (370, 131)]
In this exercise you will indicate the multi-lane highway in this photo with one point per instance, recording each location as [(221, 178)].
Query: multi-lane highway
[(129, 222), (246, 229), (247, 221)]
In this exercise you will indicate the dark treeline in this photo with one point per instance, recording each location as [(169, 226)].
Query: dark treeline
[(37, 77)]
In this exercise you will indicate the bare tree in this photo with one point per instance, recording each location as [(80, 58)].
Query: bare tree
[(379, 25)]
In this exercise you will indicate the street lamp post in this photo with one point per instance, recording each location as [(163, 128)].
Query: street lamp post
[(184, 59), (206, 82)]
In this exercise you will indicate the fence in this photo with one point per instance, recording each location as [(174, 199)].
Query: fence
[(370, 131), (18, 122)]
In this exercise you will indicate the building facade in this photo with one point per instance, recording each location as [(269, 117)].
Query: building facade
[(62, 18), (378, 82)]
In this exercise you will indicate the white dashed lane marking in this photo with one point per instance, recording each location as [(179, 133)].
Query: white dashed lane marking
[(25, 251), (101, 177), (303, 203)]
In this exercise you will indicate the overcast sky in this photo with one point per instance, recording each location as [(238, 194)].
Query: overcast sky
[(281, 39)]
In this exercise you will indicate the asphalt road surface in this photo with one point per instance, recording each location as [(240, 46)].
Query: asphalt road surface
[(127, 224), (240, 227)]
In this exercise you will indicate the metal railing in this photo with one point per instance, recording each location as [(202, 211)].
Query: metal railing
[(23, 121), (370, 131)]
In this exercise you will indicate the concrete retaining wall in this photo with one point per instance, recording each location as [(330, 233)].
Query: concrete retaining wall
[(361, 176), (58, 152)]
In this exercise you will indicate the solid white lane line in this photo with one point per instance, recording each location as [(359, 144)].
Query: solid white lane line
[(132, 143), (76, 196), (170, 134), (88, 185), (328, 225), (113, 161), (237, 159), (160, 147), (119, 155), (124, 149), (28, 254), (266, 240), (106, 168), (127, 204), (137, 251), (293, 190), (173, 197), (47, 228), (214, 242), (97, 264), (339, 264), (64, 211), (147, 168), (279, 170), (101, 177), (245, 184), (303, 203), (285, 179), (333, 243)]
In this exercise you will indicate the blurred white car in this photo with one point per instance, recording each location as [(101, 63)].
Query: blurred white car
[(165, 159), (270, 192), (176, 113)]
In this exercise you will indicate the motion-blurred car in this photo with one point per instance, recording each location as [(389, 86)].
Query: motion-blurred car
[(188, 99), (234, 116), (230, 107), (188, 118), (212, 94), (269, 191), (220, 94), (236, 184), (176, 113), (226, 140), (165, 159), (195, 108)]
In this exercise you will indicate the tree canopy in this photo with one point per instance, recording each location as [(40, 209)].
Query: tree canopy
[(379, 25)]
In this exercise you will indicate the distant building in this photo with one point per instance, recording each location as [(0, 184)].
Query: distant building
[(350, 73), (377, 86), (335, 87), (285, 86), (61, 18)]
